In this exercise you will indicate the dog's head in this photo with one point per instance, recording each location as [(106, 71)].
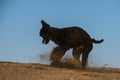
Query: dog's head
[(44, 32)]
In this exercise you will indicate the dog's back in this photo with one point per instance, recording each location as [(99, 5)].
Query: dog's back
[(73, 36)]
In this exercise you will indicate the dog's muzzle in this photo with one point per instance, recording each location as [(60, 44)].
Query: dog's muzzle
[(45, 41)]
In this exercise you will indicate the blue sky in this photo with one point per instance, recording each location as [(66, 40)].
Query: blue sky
[(20, 25)]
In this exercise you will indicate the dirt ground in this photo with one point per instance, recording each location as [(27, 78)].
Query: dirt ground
[(32, 71)]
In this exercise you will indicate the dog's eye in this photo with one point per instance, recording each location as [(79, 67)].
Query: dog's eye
[(43, 32)]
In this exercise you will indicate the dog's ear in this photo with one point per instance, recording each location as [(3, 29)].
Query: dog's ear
[(44, 24)]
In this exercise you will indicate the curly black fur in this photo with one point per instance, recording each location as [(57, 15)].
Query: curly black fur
[(66, 38)]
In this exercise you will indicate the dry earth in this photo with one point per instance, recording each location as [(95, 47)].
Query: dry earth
[(32, 71)]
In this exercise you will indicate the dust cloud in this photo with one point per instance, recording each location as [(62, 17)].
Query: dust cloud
[(67, 61)]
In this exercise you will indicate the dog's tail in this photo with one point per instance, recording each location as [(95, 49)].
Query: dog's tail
[(97, 41)]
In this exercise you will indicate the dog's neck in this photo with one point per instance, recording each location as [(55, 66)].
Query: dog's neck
[(54, 32)]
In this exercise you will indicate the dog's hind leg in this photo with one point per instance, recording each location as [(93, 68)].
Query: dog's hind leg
[(76, 55), (85, 54)]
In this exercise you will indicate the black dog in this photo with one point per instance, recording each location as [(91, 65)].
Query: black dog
[(66, 38)]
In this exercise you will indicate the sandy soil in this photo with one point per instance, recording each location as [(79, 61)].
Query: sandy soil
[(30, 71)]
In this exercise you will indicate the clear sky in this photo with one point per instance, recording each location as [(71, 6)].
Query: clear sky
[(20, 25)]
